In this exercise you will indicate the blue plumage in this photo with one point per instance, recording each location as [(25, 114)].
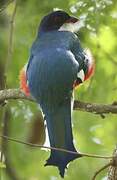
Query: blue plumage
[(55, 60)]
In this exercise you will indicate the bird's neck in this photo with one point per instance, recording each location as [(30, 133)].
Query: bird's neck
[(56, 38)]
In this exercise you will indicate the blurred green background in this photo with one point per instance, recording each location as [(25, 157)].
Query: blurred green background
[(92, 134)]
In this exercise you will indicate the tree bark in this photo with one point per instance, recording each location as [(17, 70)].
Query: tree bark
[(112, 172)]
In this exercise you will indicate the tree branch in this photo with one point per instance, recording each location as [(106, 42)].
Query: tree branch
[(112, 173), (95, 108), (8, 94), (101, 109), (100, 170)]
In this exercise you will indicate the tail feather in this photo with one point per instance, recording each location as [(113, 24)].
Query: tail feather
[(61, 160), (60, 136)]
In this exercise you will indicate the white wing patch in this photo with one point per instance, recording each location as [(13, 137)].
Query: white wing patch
[(81, 75), (25, 70)]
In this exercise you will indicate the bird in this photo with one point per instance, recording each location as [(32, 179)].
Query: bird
[(56, 66)]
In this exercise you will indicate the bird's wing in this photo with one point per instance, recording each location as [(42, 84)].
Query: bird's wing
[(85, 60)]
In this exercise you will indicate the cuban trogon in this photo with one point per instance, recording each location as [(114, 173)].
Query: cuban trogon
[(57, 65)]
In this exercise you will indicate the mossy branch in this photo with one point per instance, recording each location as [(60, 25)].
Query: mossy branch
[(10, 94)]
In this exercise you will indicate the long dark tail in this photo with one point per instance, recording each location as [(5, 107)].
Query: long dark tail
[(60, 135)]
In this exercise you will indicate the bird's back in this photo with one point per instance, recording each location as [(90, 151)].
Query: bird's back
[(55, 66)]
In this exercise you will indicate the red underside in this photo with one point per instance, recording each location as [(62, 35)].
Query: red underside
[(23, 83), (90, 72), (87, 76)]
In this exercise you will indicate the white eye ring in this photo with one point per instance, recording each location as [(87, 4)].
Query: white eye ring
[(81, 75)]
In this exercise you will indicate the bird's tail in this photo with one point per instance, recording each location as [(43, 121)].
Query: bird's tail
[(60, 136)]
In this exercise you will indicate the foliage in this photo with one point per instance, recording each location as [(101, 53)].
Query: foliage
[(92, 133)]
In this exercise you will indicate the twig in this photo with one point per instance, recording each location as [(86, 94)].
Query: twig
[(54, 148), (100, 170), (6, 115), (6, 119), (10, 42)]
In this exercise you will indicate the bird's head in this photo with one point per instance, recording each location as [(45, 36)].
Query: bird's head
[(58, 21)]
